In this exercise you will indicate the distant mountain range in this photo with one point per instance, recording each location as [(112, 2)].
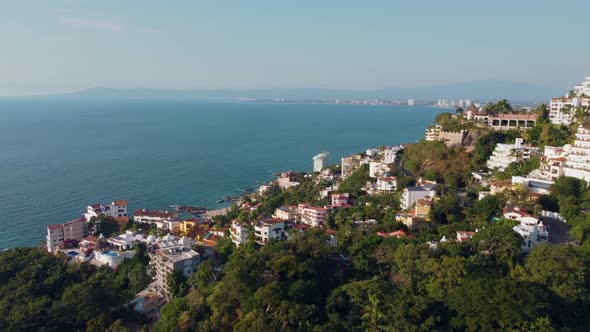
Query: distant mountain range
[(479, 90)]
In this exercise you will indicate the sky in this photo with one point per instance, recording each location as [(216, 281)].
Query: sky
[(50, 46)]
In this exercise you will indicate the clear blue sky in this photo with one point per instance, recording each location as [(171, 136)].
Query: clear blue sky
[(65, 45)]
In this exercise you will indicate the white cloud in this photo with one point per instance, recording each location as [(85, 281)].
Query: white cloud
[(96, 24)]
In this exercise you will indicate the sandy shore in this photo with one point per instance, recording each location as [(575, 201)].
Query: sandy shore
[(220, 212)]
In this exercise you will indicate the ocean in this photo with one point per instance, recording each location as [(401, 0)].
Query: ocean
[(58, 156)]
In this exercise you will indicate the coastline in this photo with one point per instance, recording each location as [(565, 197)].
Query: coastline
[(222, 211)]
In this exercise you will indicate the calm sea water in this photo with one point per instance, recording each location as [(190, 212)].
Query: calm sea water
[(58, 156)]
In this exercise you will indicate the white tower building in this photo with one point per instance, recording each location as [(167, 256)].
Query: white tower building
[(319, 161)]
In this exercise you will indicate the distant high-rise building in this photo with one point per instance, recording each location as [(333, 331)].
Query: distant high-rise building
[(319, 161)]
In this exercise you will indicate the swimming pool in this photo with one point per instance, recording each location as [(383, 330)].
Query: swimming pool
[(72, 253), (110, 253)]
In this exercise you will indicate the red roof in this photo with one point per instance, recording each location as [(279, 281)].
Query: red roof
[(398, 234), (81, 219), (331, 231), (465, 235), (272, 221), (388, 178), (95, 206), (301, 226), (89, 238), (424, 202), (56, 226), (121, 202), (516, 116), (315, 208), (148, 213)]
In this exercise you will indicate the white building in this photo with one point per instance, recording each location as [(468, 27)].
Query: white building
[(269, 229), (327, 191), (411, 195), (584, 88), (319, 161), (577, 164), (152, 217), (311, 215), (238, 233), (432, 133), (532, 231), (340, 199), (372, 153), (264, 188), (552, 163), (173, 258), (561, 109), (505, 154), (71, 231), (285, 180), (287, 213), (532, 184), (390, 154), (350, 164), (117, 210), (123, 242), (378, 168), (384, 185)]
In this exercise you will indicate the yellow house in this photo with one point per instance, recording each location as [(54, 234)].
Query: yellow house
[(422, 209), (186, 227)]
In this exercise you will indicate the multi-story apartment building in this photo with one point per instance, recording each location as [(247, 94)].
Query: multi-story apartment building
[(583, 89), (552, 163), (285, 180), (311, 215), (432, 133), (561, 109), (117, 210), (378, 168), (350, 164), (578, 161), (390, 154), (287, 213), (186, 227), (319, 161), (269, 229), (148, 216), (173, 259), (386, 185), (509, 121), (238, 233), (532, 231), (411, 195), (505, 154), (419, 217), (59, 234), (340, 199)]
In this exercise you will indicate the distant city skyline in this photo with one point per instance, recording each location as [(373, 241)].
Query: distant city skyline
[(67, 45)]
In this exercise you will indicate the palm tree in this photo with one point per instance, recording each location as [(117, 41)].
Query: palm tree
[(579, 114), (372, 316)]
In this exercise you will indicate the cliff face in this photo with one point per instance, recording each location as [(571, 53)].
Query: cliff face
[(471, 137)]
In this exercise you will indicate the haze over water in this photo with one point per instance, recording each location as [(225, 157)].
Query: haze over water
[(58, 156)]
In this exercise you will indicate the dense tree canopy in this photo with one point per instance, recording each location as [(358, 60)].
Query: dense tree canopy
[(39, 292)]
